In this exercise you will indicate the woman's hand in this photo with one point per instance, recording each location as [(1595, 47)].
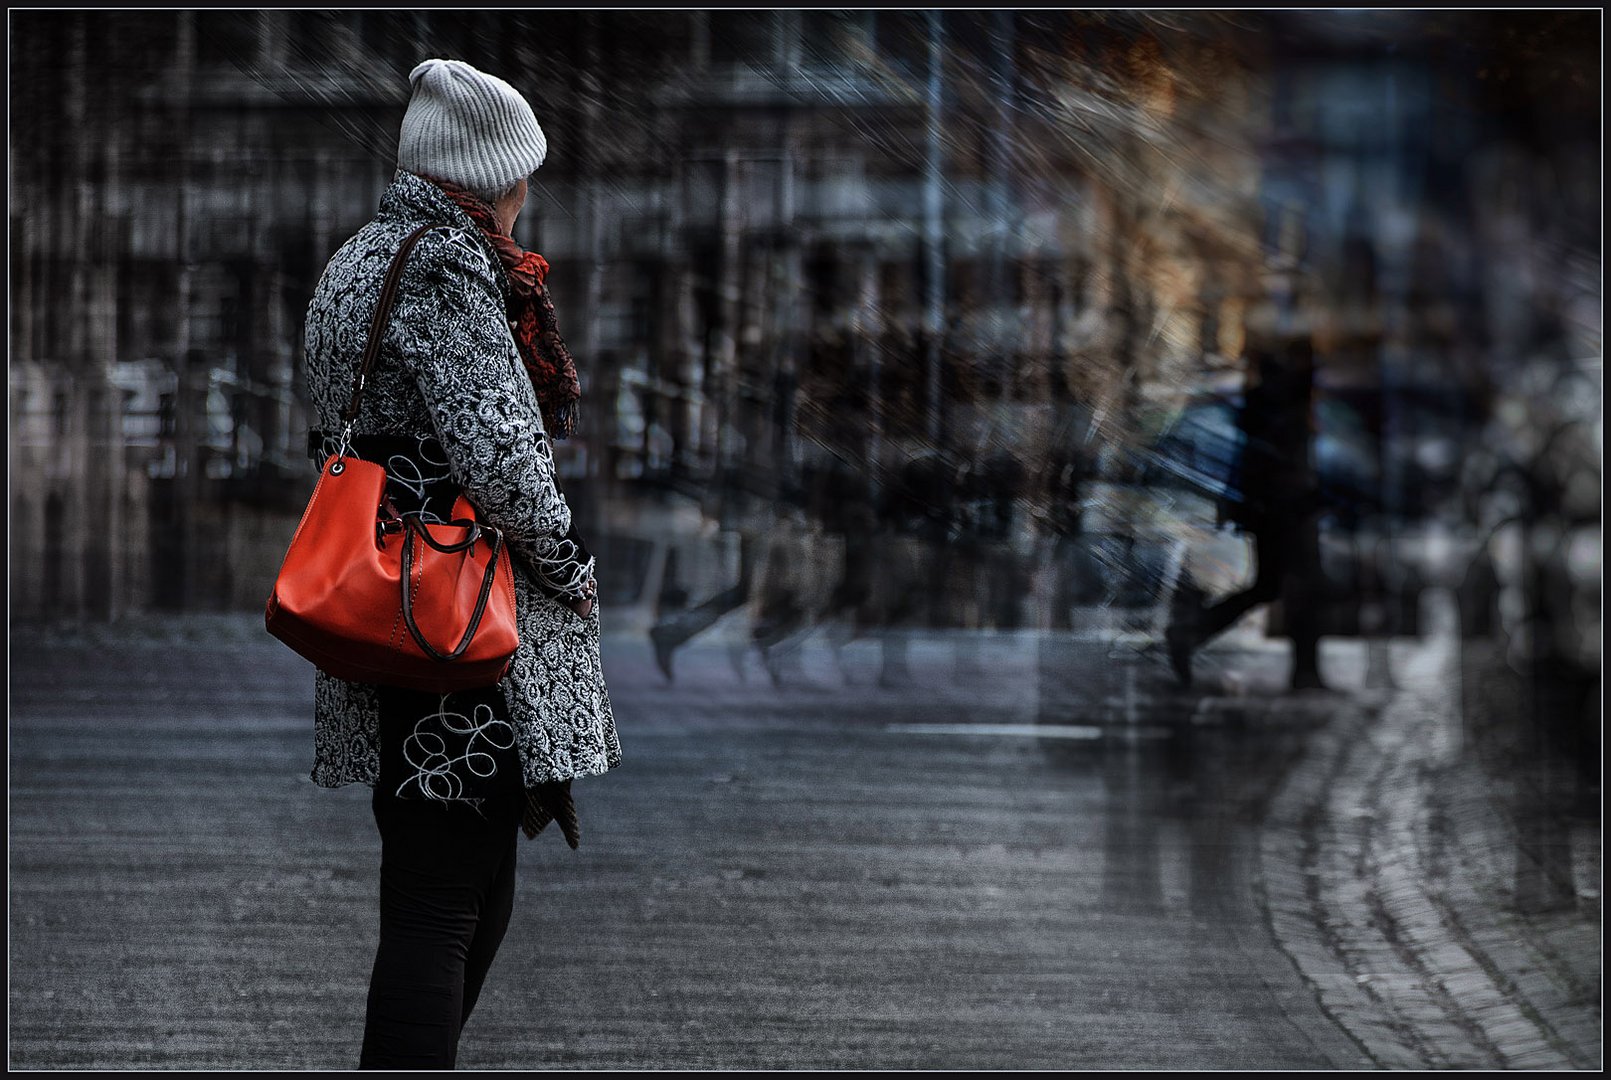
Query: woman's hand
[(584, 606)]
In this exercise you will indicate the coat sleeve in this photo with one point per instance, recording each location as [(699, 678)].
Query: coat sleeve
[(449, 329)]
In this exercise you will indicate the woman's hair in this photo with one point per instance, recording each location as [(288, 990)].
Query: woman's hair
[(491, 196)]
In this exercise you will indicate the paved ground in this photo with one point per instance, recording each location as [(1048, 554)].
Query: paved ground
[(1034, 855), (1387, 864)]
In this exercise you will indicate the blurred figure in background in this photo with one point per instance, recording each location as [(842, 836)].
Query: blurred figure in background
[(739, 504), (841, 500), (1278, 506), (783, 600)]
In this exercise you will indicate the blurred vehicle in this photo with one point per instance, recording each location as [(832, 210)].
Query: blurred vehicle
[(1204, 449)]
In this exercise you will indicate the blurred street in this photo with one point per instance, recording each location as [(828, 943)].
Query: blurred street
[(1037, 853)]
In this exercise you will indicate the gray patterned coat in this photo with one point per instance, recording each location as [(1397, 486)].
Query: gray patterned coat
[(449, 369)]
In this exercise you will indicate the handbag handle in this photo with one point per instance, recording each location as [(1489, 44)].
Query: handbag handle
[(411, 526), (377, 332), (472, 534)]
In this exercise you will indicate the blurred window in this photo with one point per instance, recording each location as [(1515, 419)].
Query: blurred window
[(902, 39), (167, 413), (310, 40), (821, 276), (742, 37), (702, 189), (225, 38), (834, 38)]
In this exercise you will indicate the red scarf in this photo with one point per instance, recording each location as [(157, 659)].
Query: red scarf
[(531, 314)]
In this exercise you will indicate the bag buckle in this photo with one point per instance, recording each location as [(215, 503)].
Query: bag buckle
[(385, 527), (343, 448), (387, 522)]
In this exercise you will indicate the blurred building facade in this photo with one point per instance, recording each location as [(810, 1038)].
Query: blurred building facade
[(786, 245), (777, 235)]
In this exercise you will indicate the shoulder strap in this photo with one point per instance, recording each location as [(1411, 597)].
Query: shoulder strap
[(377, 325)]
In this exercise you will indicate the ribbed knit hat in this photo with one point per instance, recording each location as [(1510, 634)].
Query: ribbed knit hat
[(468, 128)]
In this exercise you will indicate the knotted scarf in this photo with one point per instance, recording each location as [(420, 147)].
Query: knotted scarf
[(531, 315)]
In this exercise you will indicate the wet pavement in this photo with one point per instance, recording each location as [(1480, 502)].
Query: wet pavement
[(1032, 853), (1389, 861)]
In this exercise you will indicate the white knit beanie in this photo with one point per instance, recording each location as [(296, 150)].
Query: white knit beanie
[(468, 128)]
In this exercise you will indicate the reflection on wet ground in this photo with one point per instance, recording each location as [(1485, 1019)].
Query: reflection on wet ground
[(1170, 782)]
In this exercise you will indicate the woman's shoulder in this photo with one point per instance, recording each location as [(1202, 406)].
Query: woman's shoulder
[(447, 255), (444, 252), (456, 250)]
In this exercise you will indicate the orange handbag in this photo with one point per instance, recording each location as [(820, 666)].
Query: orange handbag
[(373, 596)]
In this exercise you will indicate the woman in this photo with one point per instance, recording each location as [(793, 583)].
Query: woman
[(471, 382)]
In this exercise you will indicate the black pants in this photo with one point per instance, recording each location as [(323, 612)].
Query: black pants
[(447, 888)]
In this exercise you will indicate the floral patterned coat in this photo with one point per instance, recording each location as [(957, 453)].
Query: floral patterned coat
[(449, 377)]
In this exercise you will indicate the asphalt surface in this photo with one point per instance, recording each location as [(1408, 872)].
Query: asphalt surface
[(1031, 854)]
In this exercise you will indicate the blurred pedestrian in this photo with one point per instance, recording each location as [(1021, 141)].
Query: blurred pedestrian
[(841, 502), (1277, 505), (735, 509), (472, 382), (782, 603), (911, 546)]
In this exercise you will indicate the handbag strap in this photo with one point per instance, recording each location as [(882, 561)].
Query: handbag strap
[(377, 332), (412, 527)]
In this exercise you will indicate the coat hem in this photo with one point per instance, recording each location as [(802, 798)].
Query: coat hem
[(332, 785)]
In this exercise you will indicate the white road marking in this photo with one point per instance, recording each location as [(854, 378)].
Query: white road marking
[(1032, 731)]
